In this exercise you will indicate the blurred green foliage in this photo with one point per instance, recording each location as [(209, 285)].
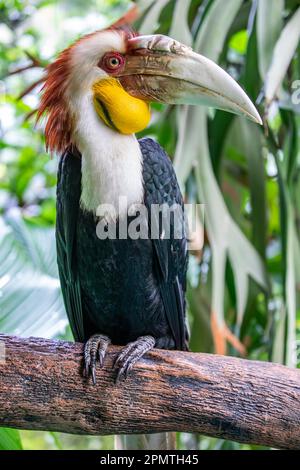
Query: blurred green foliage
[(249, 276)]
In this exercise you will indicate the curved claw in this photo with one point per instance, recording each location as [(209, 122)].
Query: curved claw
[(87, 362), (93, 373), (131, 354), (124, 371), (96, 346)]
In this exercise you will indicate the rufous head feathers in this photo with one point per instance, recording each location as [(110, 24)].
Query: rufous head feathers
[(74, 67)]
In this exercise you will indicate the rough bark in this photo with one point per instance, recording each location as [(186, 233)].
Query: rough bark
[(41, 387)]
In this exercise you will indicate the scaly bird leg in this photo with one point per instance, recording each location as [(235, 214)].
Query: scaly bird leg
[(96, 345), (131, 354)]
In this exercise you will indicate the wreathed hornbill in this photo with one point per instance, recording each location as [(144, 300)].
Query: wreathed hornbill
[(96, 96)]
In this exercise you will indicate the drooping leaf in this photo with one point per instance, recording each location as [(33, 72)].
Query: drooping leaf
[(269, 25), (283, 54), (212, 35), (247, 140), (151, 21), (252, 87), (180, 28), (30, 301), (218, 129), (209, 42)]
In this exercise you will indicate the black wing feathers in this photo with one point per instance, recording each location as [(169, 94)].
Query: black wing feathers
[(68, 197), (161, 187)]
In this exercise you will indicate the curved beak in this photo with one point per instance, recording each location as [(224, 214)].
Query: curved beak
[(163, 70)]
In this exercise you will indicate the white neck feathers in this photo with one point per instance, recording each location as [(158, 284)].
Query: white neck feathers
[(111, 163)]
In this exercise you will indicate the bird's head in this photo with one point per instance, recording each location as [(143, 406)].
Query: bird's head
[(118, 73)]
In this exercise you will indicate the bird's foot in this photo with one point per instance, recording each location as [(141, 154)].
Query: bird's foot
[(95, 348), (131, 354)]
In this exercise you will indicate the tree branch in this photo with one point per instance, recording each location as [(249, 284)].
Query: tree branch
[(41, 387)]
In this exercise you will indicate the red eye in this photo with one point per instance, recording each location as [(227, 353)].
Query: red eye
[(112, 62)]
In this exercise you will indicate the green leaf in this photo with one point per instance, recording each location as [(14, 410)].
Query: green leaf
[(247, 140), (290, 288), (180, 28), (10, 439), (212, 34), (279, 343), (269, 25), (225, 236), (284, 52), (151, 20), (253, 87), (30, 302), (209, 42), (218, 130)]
